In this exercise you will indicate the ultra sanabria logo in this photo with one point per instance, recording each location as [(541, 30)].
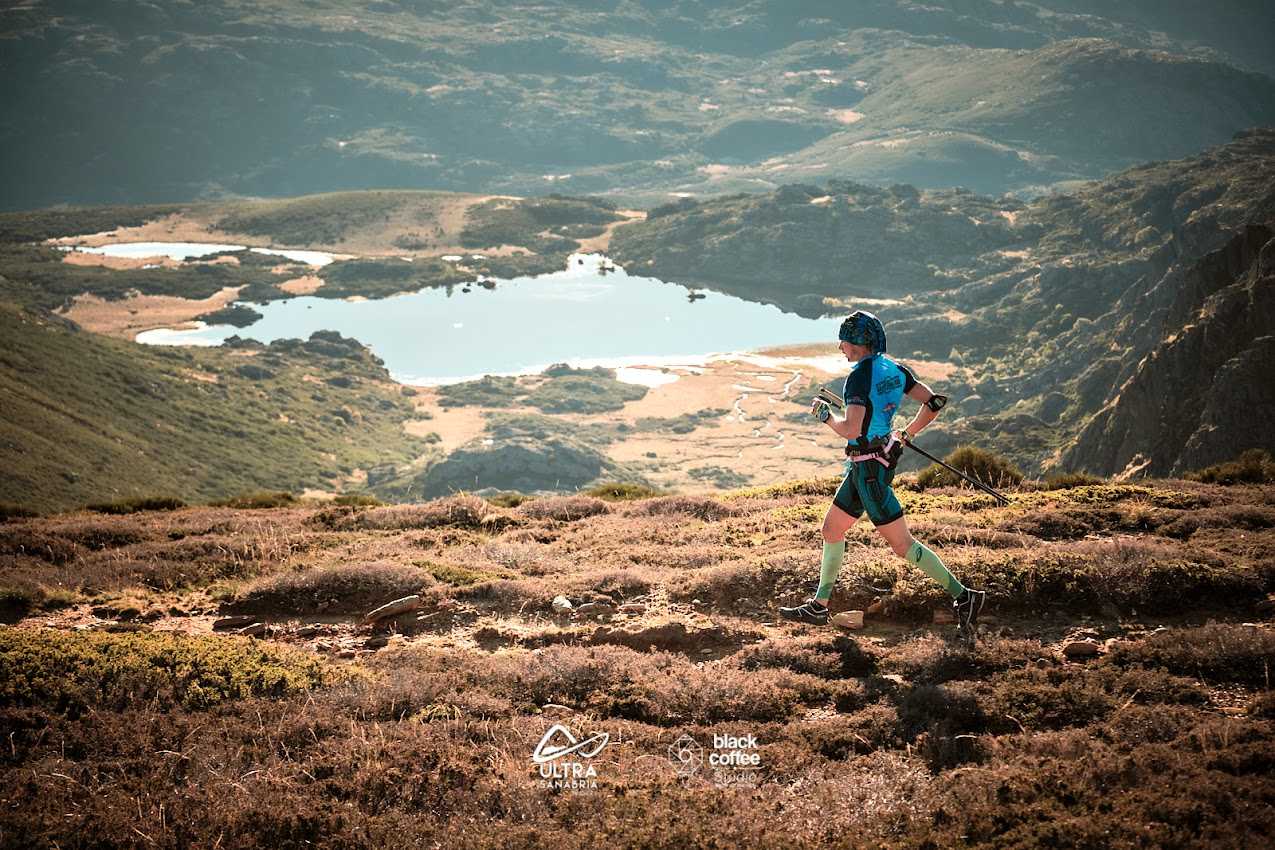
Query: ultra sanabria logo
[(564, 761)]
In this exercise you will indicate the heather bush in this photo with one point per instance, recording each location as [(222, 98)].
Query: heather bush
[(71, 672), (136, 504), (980, 464), (621, 491), (260, 500), (459, 511), (1222, 652), (699, 507), (1254, 466), (563, 508), (829, 658), (344, 588)]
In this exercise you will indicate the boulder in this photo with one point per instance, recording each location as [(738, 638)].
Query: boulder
[(1081, 649), (850, 620), (561, 605), (393, 609)]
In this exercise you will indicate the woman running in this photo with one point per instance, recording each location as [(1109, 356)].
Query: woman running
[(873, 391)]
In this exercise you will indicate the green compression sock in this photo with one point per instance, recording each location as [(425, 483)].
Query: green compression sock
[(832, 553), (924, 557)]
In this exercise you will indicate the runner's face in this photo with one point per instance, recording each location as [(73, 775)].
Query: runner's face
[(854, 353)]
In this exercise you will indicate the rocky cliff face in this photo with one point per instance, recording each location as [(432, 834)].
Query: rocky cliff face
[(1204, 392)]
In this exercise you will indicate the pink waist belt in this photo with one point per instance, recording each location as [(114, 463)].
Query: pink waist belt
[(880, 453)]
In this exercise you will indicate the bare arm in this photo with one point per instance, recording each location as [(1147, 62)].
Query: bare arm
[(922, 393), (849, 426)]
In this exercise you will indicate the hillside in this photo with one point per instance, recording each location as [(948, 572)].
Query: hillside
[(1117, 695), (1049, 307), (92, 419), (169, 101)]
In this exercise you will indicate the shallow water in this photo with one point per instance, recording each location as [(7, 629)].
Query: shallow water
[(191, 250), (575, 316)]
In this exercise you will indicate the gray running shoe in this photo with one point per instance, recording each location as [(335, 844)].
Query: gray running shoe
[(810, 612), (967, 607)]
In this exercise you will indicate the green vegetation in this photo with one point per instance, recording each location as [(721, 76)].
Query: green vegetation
[(980, 464), (36, 276), (547, 225), (687, 422), (238, 315), (381, 278), (563, 390), (70, 673), (720, 476), (93, 419), (321, 220), (1254, 466), (581, 393), (260, 500), (621, 491), (137, 503)]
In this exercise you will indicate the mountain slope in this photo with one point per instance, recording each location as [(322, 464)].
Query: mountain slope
[(88, 418), (126, 102)]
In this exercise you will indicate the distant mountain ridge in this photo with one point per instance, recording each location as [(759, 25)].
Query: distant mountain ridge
[(126, 102)]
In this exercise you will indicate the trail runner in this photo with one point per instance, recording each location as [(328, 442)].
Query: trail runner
[(873, 391)]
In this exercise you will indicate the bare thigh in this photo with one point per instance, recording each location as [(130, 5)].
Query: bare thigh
[(836, 523)]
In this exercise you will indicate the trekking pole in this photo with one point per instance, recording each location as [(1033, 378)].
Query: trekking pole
[(979, 484), (834, 400)]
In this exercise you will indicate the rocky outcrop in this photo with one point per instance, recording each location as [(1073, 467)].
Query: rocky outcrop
[(1198, 397)]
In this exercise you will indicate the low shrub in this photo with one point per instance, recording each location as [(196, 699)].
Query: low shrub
[(137, 503), (838, 657), (260, 500), (1067, 480), (700, 507), (341, 589), (1255, 466), (11, 510), (1220, 653), (459, 511), (69, 672), (563, 508), (621, 491), (980, 464), (358, 500)]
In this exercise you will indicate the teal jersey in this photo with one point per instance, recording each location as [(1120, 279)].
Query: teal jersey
[(878, 384)]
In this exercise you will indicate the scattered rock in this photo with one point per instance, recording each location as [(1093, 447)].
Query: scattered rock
[(307, 631), (1077, 649), (632, 608), (893, 677), (151, 615), (117, 628), (254, 630), (850, 620), (393, 609), (323, 646), (595, 609), (555, 708), (376, 642), (346, 653), (236, 622), (875, 608), (561, 604)]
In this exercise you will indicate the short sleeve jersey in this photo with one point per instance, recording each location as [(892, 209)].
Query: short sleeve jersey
[(878, 383)]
